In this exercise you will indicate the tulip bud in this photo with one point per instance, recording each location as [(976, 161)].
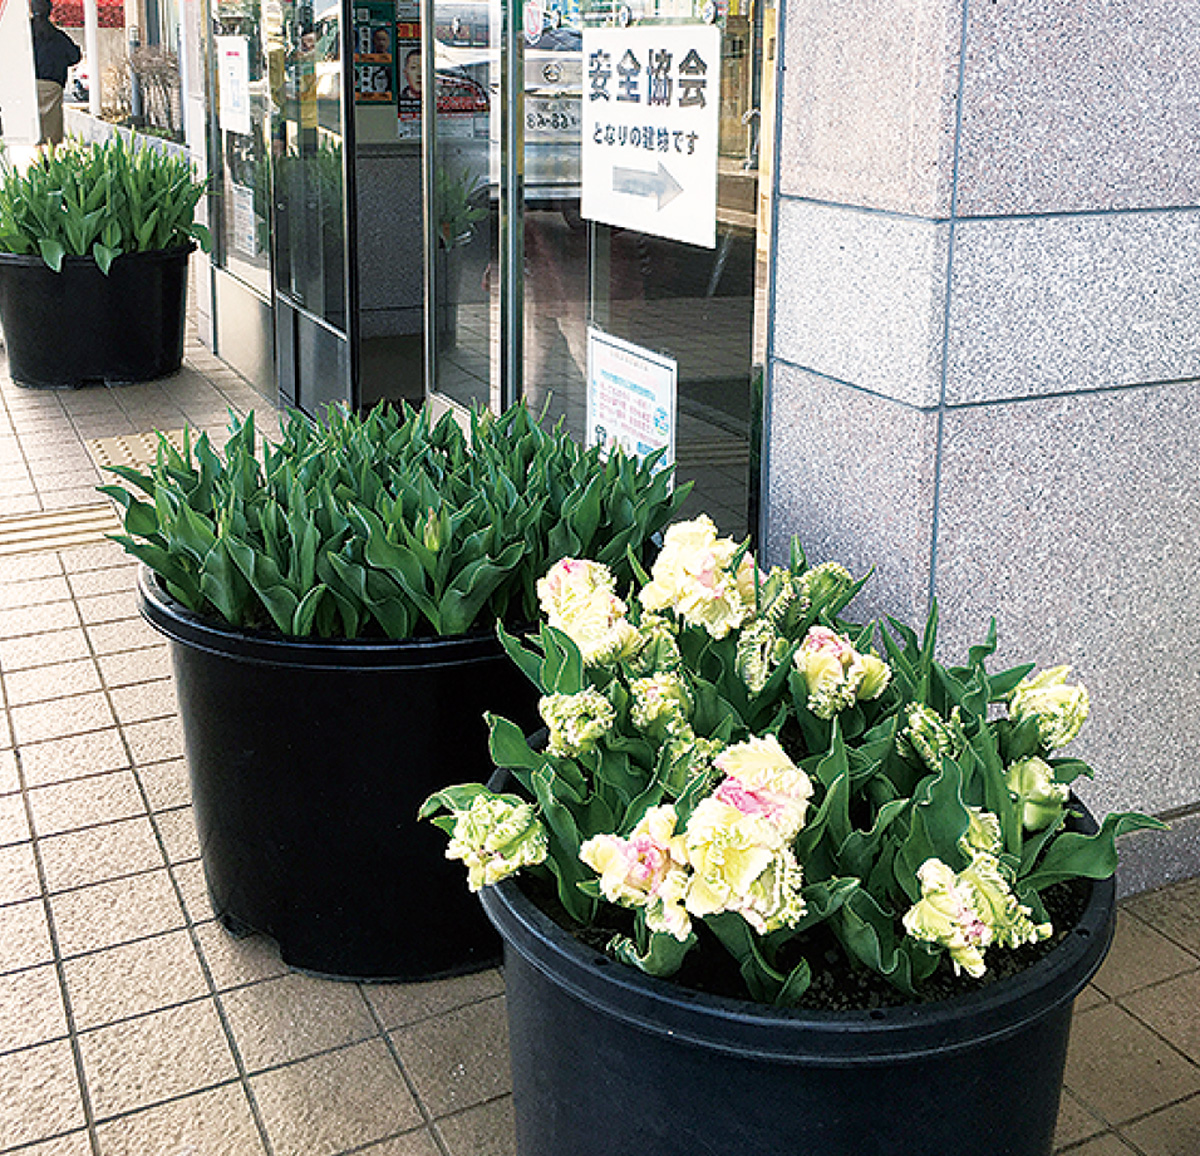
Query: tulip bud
[(1060, 710), (1031, 783)]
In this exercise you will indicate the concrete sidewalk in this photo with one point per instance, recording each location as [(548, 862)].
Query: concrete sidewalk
[(131, 1024)]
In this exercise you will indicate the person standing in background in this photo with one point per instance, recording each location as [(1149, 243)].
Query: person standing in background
[(54, 52)]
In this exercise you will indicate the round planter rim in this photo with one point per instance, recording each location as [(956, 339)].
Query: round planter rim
[(830, 1038), (75, 260), (179, 624)]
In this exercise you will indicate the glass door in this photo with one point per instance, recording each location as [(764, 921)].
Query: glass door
[(613, 271), (309, 234)]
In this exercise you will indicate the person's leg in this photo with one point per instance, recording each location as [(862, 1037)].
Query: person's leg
[(50, 110)]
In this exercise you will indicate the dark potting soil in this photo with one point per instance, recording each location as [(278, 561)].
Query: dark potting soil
[(837, 983)]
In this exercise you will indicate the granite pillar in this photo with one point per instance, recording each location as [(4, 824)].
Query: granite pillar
[(985, 364)]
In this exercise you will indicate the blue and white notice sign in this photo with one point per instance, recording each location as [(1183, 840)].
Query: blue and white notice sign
[(651, 99), (631, 395)]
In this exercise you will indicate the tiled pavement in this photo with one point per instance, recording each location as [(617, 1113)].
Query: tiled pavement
[(132, 1025)]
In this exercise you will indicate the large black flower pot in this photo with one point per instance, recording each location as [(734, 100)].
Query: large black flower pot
[(81, 327), (308, 763), (607, 1060)]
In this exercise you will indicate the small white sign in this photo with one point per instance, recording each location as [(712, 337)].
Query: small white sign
[(631, 395), (19, 121), (651, 98), (233, 81), (245, 223)]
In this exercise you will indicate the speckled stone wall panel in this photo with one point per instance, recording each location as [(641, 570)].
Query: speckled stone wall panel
[(860, 298), (1074, 521), (390, 232), (1054, 304), (1092, 104), (852, 478), (869, 102)]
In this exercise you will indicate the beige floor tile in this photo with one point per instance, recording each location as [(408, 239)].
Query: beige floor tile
[(133, 978), (154, 741), (39, 1094), (42, 649), (55, 681), (134, 666), (1140, 956), (31, 1008), (1171, 1009), (128, 634), (18, 873), (324, 1105), (234, 962), (24, 936), (294, 1017), (106, 914), (1174, 1131), (24, 568), (95, 854), (14, 823), (154, 1058), (101, 608), (213, 1123), (192, 884), (85, 802), (72, 1144), (74, 757), (1174, 911), (38, 619), (1106, 1145), (9, 779), (398, 1004), (98, 557), (166, 784), (417, 1143), (1075, 1122), (486, 1130), (1119, 1069), (177, 828), (36, 592), (144, 701), (76, 715), (459, 1059), (111, 580)]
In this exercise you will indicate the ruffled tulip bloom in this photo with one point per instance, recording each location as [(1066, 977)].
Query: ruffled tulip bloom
[(646, 870), (741, 864), (763, 781), (495, 838), (946, 914), (928, 736), (1041, 799), (1010, 921), (836, 674), (693, 576), (661, 705), (1060, 710), (579, 598), (577, 722)]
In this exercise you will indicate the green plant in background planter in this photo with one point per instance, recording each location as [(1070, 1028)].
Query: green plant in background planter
[(765, 812), (331, 602), (94, 240), (460, 202)]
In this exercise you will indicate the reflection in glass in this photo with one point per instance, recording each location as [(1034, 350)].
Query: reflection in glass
[(305, 67), (242, 184)]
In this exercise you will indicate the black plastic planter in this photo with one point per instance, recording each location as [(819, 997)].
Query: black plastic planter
[(607, 1060), (309, 761), (80, 327)]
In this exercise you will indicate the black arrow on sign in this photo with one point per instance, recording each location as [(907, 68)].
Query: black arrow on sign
[(638, 183)]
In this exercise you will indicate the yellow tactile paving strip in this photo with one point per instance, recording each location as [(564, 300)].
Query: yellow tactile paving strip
[(132, 449), (56, 529)]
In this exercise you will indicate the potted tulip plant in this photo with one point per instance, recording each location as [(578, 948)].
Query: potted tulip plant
[(330, 601), (94, 241), (800, 886)]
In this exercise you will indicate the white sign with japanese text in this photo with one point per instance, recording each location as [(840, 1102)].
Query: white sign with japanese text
[(233, 82), (651, 97), (631, 395)]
